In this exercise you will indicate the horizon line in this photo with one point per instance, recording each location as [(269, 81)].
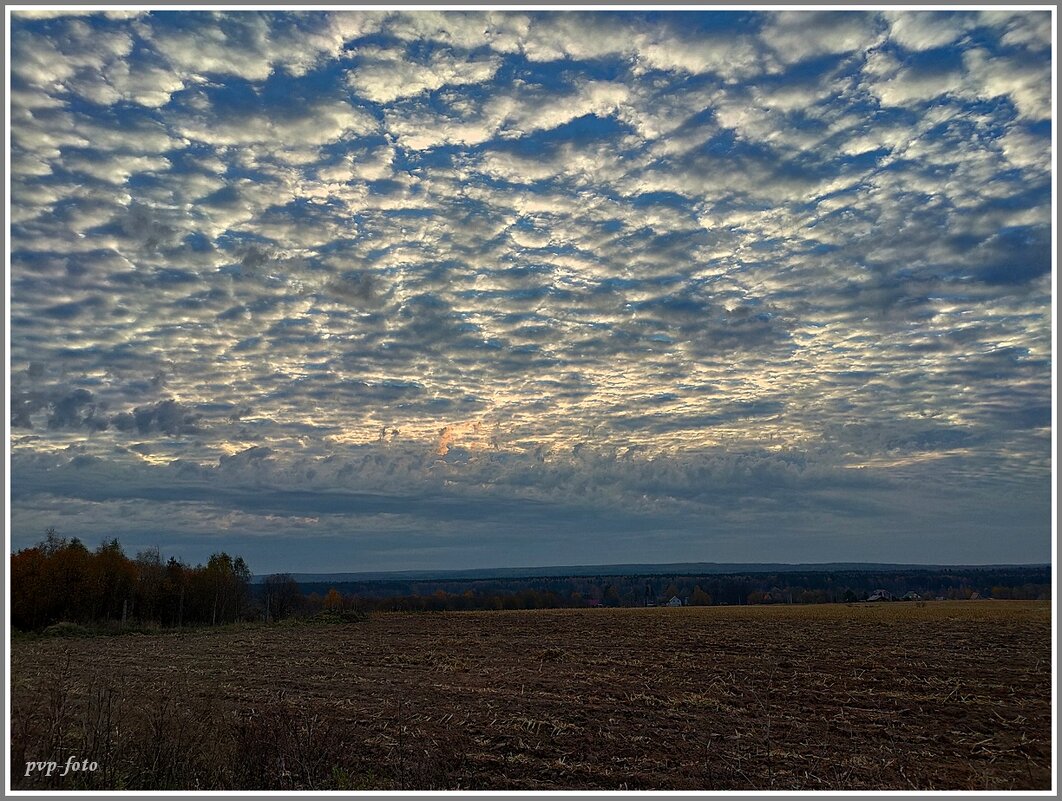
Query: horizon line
[(655, 565)]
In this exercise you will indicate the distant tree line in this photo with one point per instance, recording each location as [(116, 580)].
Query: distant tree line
[(806, 587), (61, 580)]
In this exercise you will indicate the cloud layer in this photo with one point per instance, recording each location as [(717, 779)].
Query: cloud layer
[(443, 289)]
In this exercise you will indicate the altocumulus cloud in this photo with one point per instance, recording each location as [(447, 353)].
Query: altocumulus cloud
[(442, 289)]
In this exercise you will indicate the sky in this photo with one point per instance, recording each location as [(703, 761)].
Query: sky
[(378, 290)]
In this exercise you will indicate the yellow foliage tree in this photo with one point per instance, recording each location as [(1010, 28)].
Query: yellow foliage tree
[(333, 600)]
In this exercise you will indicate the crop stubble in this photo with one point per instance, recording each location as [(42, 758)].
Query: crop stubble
[(889, 696)]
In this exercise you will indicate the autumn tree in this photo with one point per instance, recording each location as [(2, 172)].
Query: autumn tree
[(699, 597), (282, 596), (147, 593), (174, 588), (241, 587), (113, 580), (228, 583), (29, 592), (333, 601), (68, 575)]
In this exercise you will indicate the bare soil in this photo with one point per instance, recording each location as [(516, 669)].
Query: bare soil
[(942, 696)]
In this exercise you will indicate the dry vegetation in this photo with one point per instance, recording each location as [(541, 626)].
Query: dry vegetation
[(950, 695)]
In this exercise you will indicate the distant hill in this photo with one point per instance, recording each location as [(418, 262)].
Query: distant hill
[(672, 569)]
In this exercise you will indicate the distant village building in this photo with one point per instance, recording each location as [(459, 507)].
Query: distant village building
[(675, 601), (912, 596), (880, 595)]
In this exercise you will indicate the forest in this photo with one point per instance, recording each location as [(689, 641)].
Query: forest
[(61, 580)]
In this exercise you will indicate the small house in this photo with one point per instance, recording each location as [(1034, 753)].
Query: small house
[(880, 595), (675, 601), (912, 596)]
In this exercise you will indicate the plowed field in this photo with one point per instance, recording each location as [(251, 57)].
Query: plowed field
[(947, 695)]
